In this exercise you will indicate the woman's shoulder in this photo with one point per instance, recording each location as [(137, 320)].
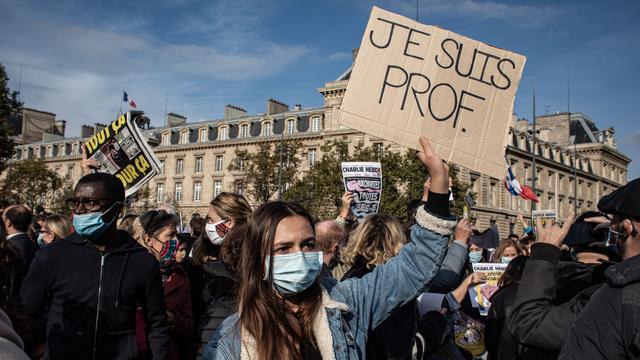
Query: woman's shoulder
[(226, 339)]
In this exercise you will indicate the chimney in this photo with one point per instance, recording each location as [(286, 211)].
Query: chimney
[(60, 126), (98, 127), (276, 107), (233, 112), (297, 107), (174, 119), (86, 131)]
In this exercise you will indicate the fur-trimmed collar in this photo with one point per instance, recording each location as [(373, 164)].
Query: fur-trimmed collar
[(324, 337)]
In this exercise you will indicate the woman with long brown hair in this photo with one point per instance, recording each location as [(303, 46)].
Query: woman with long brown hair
[(284, 312)]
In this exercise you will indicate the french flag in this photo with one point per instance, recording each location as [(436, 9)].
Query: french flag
[(128, 100), (515, 188)]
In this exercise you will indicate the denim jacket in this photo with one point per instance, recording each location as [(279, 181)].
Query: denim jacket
[(354, 306)]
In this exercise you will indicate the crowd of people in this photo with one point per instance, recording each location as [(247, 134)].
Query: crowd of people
[(275, 282)]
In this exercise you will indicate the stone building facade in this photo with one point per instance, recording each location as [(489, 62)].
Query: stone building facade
[(196, 157)]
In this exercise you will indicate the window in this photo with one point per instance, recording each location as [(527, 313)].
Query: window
[(316, 124), (311, 157), (49, 151), (219, 162), (62, 150), (224, 133), (239, 187), (266, 129), (166, 140), (179, 166), (70, 173), (291, 126), (184, 137), (244, 131), (492, 194), (379, 148), (203, 135), (197, 191), (160, 192), (240, 163), (198, 168), (161, 170), (178, 196), (217, 187), (74, 149)]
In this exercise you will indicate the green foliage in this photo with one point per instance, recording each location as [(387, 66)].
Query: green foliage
[(32, 183), (9, 105), (270, 168), (321, 188), (403, 178)]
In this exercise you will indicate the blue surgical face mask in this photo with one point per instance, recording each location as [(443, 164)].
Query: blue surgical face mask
[(293, 273), (41, 241), (505, 259), (475, 256), (92, 225)]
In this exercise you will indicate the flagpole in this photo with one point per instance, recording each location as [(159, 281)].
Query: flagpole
[(121, 100), (534, 175)]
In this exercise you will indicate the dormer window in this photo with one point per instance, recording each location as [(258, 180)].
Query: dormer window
[(166, 139), (224, 133), (316, 124), (244, 131), (49, 151), (203, 135), (267, 128), (74, 149), (291, 126), (184, 137)]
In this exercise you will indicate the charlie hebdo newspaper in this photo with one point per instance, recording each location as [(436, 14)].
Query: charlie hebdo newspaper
[(364, 181), (122, 150)]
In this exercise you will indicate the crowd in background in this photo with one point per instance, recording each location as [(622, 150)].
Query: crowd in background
[(274, 282)]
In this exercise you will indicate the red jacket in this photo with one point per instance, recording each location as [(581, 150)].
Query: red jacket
[(177, 300)]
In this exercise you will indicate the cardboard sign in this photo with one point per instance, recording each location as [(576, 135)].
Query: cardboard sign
[(122, 150), (411, 79), (480, 294), (364, 181), (544, 216)]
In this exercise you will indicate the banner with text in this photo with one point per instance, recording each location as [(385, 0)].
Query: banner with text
[(364, 181), (121, 150), (411, 79), (480, 294)]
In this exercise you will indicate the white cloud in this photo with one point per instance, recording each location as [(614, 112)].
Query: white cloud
[(337, 56), (77, 70)]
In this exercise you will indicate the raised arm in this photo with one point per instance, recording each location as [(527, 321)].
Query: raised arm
[(374, 296), (535, 320)]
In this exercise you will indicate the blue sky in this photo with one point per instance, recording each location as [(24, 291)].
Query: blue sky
[(76, 56)]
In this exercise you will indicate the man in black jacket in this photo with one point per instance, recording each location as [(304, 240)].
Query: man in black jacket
[(608, 328), (84, 290), (17, 219), (552, 295)]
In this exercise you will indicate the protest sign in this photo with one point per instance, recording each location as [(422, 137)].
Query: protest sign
[(544, 216), (364, 181), (480, 294), (121, 150), (411, 79)]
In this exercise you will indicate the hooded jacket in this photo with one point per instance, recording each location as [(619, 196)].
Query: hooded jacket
[(609, 326), (86, 299)]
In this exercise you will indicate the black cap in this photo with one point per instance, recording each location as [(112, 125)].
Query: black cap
[(624, 202)]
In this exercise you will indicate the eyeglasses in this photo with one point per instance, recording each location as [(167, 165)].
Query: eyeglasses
[(90, 204)]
